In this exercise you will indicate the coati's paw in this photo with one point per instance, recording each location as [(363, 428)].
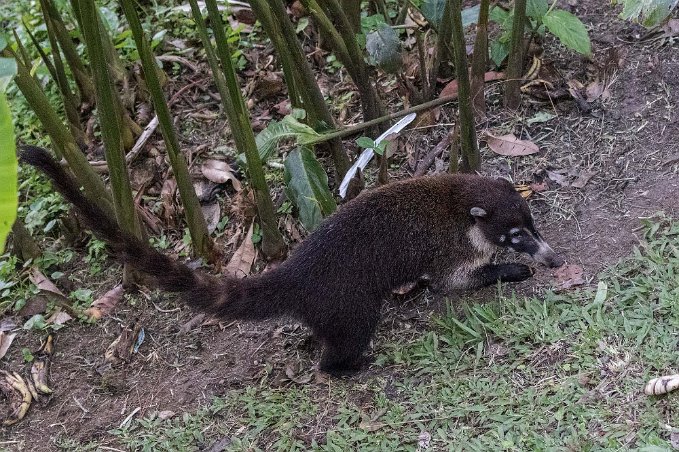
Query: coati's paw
[(515, 272), (345, 369)]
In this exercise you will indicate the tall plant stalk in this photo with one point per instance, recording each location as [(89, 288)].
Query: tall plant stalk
[(343, 41), (444, 55), (298, 73), (515, 61), (272, 241), (194, 216), (471, 159), (109, 120), (480, 61), (62, 139), (80, 73)]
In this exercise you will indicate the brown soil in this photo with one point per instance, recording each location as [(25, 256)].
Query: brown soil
[(629, 140)]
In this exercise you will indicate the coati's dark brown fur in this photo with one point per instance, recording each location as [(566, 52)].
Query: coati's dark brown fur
[(443, 228)]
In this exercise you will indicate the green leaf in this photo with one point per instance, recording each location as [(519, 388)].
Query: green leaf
[(498, 52), (289, 127), (432, 10), (570, 31), (365, 142), (536, 9), (500, 16), (307, 187), (384, 49), (649, 12), (470, 15), (302, 24), (8, 169)]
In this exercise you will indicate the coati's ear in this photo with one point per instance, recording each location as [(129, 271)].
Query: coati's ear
[(478, 212)]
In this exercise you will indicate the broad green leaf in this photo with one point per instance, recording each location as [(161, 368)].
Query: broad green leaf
[(501, 16), (570, 31), (649, 12), (498, 52), (470, 15), (289, 127), (536, 9), (307, 187), (432, 10), (384, 49), (8, 170)]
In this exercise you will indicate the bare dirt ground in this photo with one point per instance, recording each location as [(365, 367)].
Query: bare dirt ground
[(630, 141)]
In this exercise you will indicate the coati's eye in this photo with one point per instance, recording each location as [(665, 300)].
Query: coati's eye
[(516, 234)]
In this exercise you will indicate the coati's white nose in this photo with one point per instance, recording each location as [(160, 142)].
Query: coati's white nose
[(546, 255)]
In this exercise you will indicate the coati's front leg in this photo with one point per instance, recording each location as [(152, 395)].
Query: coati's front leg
[(489, 274), (482, 276)]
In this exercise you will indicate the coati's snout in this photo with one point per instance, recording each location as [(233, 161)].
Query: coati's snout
[(514, 229)]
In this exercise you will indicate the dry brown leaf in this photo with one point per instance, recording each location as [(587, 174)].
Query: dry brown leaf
[(102, 306), (219, 172), (5, 341), (35, 305), (558, 178), (451, 88), (537, 187), (583, 178), (510, 145), (42, 282), (192, 323), (242, 260), (569, 275), (59, 317), (212, 213)]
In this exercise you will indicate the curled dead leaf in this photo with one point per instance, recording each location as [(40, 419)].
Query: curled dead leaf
[(5, 341), (220, 172), (569, 275), (59, 317), (510, 145), (662, 385), (242, 260), (102, 306)]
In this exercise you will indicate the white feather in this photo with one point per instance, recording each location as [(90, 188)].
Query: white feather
[(367, 154)]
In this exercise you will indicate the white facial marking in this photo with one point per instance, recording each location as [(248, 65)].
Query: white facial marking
[(503, 238)]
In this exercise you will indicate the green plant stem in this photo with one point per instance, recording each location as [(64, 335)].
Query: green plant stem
[(352, 9), (444, 54), (343, 42), (273, 245), (298, 73), (194, 216), (512, 98), (80, 74), (62, 139), (24, 246), (58, 72), (480, 61), (109, 120), (471, 159)]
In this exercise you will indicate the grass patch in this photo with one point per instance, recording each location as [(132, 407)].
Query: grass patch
[(565, 371)]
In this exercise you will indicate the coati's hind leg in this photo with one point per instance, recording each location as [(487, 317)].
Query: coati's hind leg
[(345, 344)]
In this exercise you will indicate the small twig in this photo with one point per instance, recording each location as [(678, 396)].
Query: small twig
[(129, 417), (429, 159)]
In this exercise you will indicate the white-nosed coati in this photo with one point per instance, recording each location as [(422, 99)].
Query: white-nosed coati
[(443, 228)]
